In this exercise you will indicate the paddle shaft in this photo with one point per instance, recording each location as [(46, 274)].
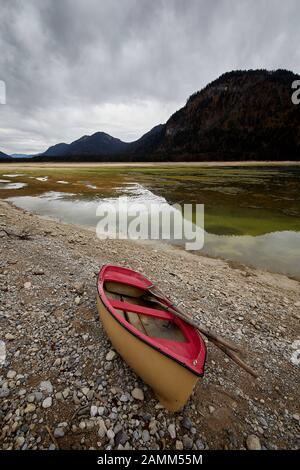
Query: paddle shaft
[(227, 347), (209, 334)]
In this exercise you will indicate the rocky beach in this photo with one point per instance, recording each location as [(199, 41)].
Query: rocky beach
[(62, 386)]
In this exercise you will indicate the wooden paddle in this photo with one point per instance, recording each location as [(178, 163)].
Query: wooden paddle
[(225, 345)]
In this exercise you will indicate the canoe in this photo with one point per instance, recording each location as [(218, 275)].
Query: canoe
[(167, 353)]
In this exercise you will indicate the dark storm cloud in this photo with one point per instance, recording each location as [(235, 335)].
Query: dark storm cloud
[(73, 67)]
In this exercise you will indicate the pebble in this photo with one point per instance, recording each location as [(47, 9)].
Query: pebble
[(59, 432), (30, 408), (187, 442), (11, 374), (102, 428), (31, 398), (27, 285), (9, 337), (138, 394), (172, 430), (253, 442), (79, 287), (186, 423), (110, 434), (94, 411), (19, 441), (121, 438), (47, 402), (46, 386), (110, 355), (153, 427), (179, 445), (145, 435)]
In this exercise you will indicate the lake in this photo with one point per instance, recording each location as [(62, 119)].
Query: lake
[(252, 213)]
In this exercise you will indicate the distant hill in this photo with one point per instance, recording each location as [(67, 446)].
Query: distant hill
[(242, 115), (4, 157), (20, 155)]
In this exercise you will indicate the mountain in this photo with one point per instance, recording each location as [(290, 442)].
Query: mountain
[(241, 115), (4, 157), (102, 144)]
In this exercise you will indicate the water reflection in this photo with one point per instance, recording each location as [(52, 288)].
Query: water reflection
[(278, 251)]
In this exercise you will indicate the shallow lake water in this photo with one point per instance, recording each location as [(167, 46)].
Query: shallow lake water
[(252, 214)]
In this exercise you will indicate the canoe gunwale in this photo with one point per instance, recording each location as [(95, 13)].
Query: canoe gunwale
[(109, 309)]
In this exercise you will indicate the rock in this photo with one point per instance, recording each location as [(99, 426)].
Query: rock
[(153, 427), (172, 430), (145, 435), (121, 438), (101, 410), (59, 432), (296, 417), (186, 423), (211, 409), (11, 374), (138, 394), (199, 444), (66, 393), (47, 402), (110, 434), (27, 285), (94, 411), (253, 442), (9, 337), (102, 428), (31, 398), (4, 392), (38, 272), (46, 386), (79, 287), (85, 391), (19, 441), (124, 398), (77, 300), (110, 355), (187, 442), (179, 445), (30, 408)]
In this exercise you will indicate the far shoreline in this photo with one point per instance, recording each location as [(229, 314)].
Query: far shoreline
[(203, 164)]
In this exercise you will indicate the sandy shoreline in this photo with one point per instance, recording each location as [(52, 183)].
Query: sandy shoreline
[(49, 324)]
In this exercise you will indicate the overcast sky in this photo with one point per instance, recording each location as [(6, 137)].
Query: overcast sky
[(74, 67)]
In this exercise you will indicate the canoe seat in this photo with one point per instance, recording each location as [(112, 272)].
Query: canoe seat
[(141, 310), (153, 322)]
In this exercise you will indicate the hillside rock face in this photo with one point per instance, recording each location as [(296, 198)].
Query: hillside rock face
[(241, 115)]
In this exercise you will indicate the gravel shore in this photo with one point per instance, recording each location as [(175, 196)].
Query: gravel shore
[(62, 385)]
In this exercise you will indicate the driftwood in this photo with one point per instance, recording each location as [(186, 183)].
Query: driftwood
[(224, 345), (23, 235), (52, 436)]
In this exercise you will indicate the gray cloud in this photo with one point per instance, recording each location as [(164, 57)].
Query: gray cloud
[(73, 67)]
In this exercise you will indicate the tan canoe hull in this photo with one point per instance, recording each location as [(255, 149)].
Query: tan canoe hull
[(171, 382)]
